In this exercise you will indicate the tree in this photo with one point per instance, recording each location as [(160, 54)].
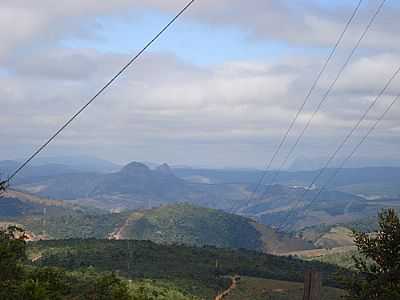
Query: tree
[(3, 186), (378, 266), (12, 253), (110, 287)]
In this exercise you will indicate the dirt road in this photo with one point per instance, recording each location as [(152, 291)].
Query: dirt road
[(235, 279)]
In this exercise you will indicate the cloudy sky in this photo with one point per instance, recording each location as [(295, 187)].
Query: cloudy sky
[(218, 89)]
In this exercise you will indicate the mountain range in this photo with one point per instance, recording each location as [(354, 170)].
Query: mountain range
[(169, 224), (136, 186)]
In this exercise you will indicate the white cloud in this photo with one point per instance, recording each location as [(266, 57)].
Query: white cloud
[(164, 100)]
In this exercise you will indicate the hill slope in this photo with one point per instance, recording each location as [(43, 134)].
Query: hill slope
[(136, 187), (18, 204), (53, 219), (192, 225), (195, 266), (175, 223)]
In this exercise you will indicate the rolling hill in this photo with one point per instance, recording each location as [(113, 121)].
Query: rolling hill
[(174, 223), (192, 225), (53, 219), (199, 271), (14, 204), (136, 186)]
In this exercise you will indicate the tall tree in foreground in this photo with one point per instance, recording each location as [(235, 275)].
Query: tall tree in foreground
[(378, 267)]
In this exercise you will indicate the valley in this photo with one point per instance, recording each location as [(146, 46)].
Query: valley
[(199, 235), (136, 186)]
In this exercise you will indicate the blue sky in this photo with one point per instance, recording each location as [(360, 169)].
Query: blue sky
[(196, 43), (256, 64)]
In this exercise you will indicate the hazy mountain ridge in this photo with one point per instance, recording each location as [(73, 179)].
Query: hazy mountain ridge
[(177, 223), (136, 186), (354, 180)]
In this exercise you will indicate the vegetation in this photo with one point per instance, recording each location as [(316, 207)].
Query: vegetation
[(193, 225), (175, 223), (342, 259), (50, 219), (196, 270), (261, 289), (21, 282), (77, 224), (378, 276), (187, 224), (135, 186)]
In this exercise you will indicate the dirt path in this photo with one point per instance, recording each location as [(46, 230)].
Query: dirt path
[(118, 232), (235, 279), (36, 258)]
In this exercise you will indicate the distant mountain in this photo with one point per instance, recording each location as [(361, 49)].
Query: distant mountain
[(178, 223), (136, 186), (371, 181), (331, 207), (79, 163), (14, 204), (50, 219), (192, 225), (55, 166), (136, 179), (315, 163), (7, 167)]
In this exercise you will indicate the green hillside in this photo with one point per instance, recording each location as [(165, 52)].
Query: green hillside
[(51, 219), (198, 271), (183, 223), (260, 289), (14, 204), (175, 223), (192, 225)]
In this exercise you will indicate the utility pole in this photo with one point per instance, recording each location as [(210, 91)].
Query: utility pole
[(129, 257), (44, 221), (312, 285)]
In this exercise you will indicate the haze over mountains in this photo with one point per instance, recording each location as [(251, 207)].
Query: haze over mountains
[(357, 193), (172, 209), (177, 223)]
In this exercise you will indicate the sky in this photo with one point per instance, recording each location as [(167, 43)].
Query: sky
[(218, 89)]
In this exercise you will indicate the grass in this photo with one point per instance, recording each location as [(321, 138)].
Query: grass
[(262, 289)]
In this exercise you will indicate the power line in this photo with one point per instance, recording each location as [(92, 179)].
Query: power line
[(124, 68), (324, 98), (344, 142), (308, 95), (351, 154)]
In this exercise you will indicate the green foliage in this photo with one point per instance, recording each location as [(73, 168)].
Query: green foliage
[(191, 225), (75, 224), (343, 259), (12, 253), (194, 267), (20, 282), (378, 276), (149, 290), (262, 289)]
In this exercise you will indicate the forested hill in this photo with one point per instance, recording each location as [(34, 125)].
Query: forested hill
[(174, 223), (193, 225), (198, 270)]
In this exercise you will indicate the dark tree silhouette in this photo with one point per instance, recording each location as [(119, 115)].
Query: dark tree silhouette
[(378, 267)]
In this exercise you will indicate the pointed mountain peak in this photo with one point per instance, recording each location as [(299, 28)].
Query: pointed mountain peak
[(165, 169), (135, 167)]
